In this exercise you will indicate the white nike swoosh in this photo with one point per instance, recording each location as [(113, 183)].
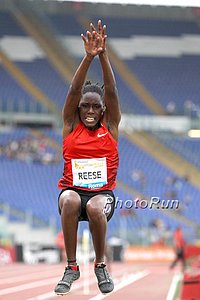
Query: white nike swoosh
[(100, 135)]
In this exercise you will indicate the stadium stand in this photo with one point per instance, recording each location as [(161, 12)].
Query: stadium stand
[(156, 72), (184, 145), (159, 76), (13, 97), (9, 27), (20, 174), (46, 78)]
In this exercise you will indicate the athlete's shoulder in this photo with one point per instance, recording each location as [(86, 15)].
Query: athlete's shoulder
[(74, 130)]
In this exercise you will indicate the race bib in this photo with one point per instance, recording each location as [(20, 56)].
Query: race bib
[(89, 173)]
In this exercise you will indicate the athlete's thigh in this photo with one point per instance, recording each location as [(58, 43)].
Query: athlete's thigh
[(103, 203)]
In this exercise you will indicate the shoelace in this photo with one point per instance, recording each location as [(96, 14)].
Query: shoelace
[(104, 275), (66, 273), (107, 277)]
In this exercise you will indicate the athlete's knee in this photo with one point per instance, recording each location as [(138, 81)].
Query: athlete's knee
[(70, 203), (95, 211)]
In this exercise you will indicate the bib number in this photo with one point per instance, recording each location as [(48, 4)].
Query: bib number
[(89, 173)]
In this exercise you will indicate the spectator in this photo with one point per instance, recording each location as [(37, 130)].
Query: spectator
[(179, 248)]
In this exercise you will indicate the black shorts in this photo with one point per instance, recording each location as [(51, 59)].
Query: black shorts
[(86, 196)]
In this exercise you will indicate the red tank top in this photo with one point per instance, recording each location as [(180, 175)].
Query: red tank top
[(91, 159)]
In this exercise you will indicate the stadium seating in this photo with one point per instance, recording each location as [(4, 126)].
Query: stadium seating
[(152, 27), (32, 186), (44, 76), (9, 26), (183, 145), (28, 185), (156, 175), (13, 97), (159, 75)]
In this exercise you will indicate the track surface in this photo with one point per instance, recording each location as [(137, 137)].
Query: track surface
[(132, 281)]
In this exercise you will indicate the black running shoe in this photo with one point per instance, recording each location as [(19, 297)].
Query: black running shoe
[(64, 285), (105, 282)]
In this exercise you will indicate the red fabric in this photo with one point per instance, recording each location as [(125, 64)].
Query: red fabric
[(190, 291), (191, 286), (192, 251), (75, 268), (84, 143)]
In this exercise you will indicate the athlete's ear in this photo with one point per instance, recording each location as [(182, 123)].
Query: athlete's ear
[(103, 109)]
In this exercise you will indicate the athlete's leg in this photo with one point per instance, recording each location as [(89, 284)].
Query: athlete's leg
[(98, 224), (70, 206), (96, 212)]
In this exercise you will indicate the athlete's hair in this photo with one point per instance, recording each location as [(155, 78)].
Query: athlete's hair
[(93, 88)]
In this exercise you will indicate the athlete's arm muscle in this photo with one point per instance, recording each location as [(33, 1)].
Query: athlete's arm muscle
[(70, 109)]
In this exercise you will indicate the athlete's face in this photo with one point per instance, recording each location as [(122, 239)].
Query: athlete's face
[(91, 108)]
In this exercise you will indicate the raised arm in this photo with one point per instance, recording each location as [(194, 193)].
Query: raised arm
[(113, 113), (70, 109)]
